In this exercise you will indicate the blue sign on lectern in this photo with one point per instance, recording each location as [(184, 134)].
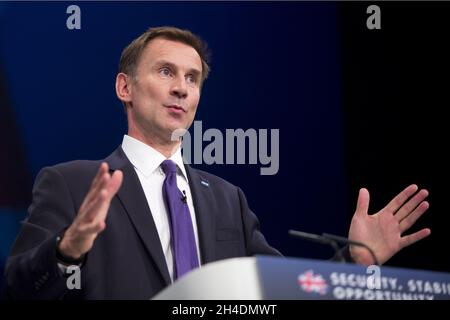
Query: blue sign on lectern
[(312, 279)]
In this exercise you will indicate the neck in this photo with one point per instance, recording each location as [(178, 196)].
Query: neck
[(166, 148)]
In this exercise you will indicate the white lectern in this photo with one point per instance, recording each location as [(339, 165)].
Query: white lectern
[(265, 277)]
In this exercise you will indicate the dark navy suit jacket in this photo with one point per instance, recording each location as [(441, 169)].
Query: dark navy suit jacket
[(126, 261)]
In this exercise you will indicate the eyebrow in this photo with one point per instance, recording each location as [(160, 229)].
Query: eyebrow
[(161, 63)]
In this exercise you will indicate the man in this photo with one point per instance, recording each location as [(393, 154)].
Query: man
[(140, 218)]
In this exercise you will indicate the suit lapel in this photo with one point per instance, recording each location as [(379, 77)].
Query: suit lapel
[(203, 200), (133, 199)]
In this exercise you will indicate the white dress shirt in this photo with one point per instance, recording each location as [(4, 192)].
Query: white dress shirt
[(146, 162)]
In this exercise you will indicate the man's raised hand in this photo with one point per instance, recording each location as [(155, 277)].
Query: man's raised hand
[(90, 220), (383, 231)]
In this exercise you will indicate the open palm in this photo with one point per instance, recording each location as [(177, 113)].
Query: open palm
[(382, 231)]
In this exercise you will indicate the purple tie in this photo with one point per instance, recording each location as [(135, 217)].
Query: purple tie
[(183, 240)]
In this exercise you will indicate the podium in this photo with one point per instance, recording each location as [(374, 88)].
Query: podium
[(273, 278)]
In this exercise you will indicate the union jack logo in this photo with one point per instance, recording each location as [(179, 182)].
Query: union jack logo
[(311, 282)]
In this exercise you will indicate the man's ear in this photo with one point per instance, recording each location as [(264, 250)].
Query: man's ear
[(123, 87)]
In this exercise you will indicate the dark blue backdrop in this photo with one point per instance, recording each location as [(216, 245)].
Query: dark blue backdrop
[(273, 66)]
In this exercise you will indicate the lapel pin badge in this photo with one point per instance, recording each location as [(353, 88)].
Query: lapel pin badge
[(205, 183)]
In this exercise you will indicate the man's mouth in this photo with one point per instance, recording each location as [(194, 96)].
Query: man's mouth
[(176, 107)]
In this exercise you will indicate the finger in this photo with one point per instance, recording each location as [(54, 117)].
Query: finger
[(413, 238), (101, 176), (93, 197), (95, 189), (362, 206), (101, 171), (114, 184), (98, 184), (97, 209), (109, 182), (400, 199), (408, 207), (94, 207), (406, 223), (103, 196)]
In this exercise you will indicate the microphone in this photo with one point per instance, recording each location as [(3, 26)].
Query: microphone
[(354, 243), (184, 197), (332, 240), (319, 239)]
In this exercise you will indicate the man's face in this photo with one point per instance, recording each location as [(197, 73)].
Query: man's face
[(166, 90)]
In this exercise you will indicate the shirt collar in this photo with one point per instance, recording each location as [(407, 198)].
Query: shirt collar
[(147, 159)]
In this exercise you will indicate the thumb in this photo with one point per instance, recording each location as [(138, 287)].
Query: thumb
[(362, 206)]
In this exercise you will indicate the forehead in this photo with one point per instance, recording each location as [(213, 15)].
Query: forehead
[(177, 53)]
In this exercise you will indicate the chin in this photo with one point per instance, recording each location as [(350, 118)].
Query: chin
[(178, 129)]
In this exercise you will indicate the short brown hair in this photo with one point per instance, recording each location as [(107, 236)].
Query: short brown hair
[(132, 53)]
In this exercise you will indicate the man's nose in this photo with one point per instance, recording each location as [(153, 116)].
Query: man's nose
[(179, 88)]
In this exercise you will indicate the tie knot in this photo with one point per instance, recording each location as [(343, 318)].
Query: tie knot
[(168, 166)]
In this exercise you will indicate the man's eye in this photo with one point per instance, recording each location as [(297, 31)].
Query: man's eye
[(165, 71), (191, 78)]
